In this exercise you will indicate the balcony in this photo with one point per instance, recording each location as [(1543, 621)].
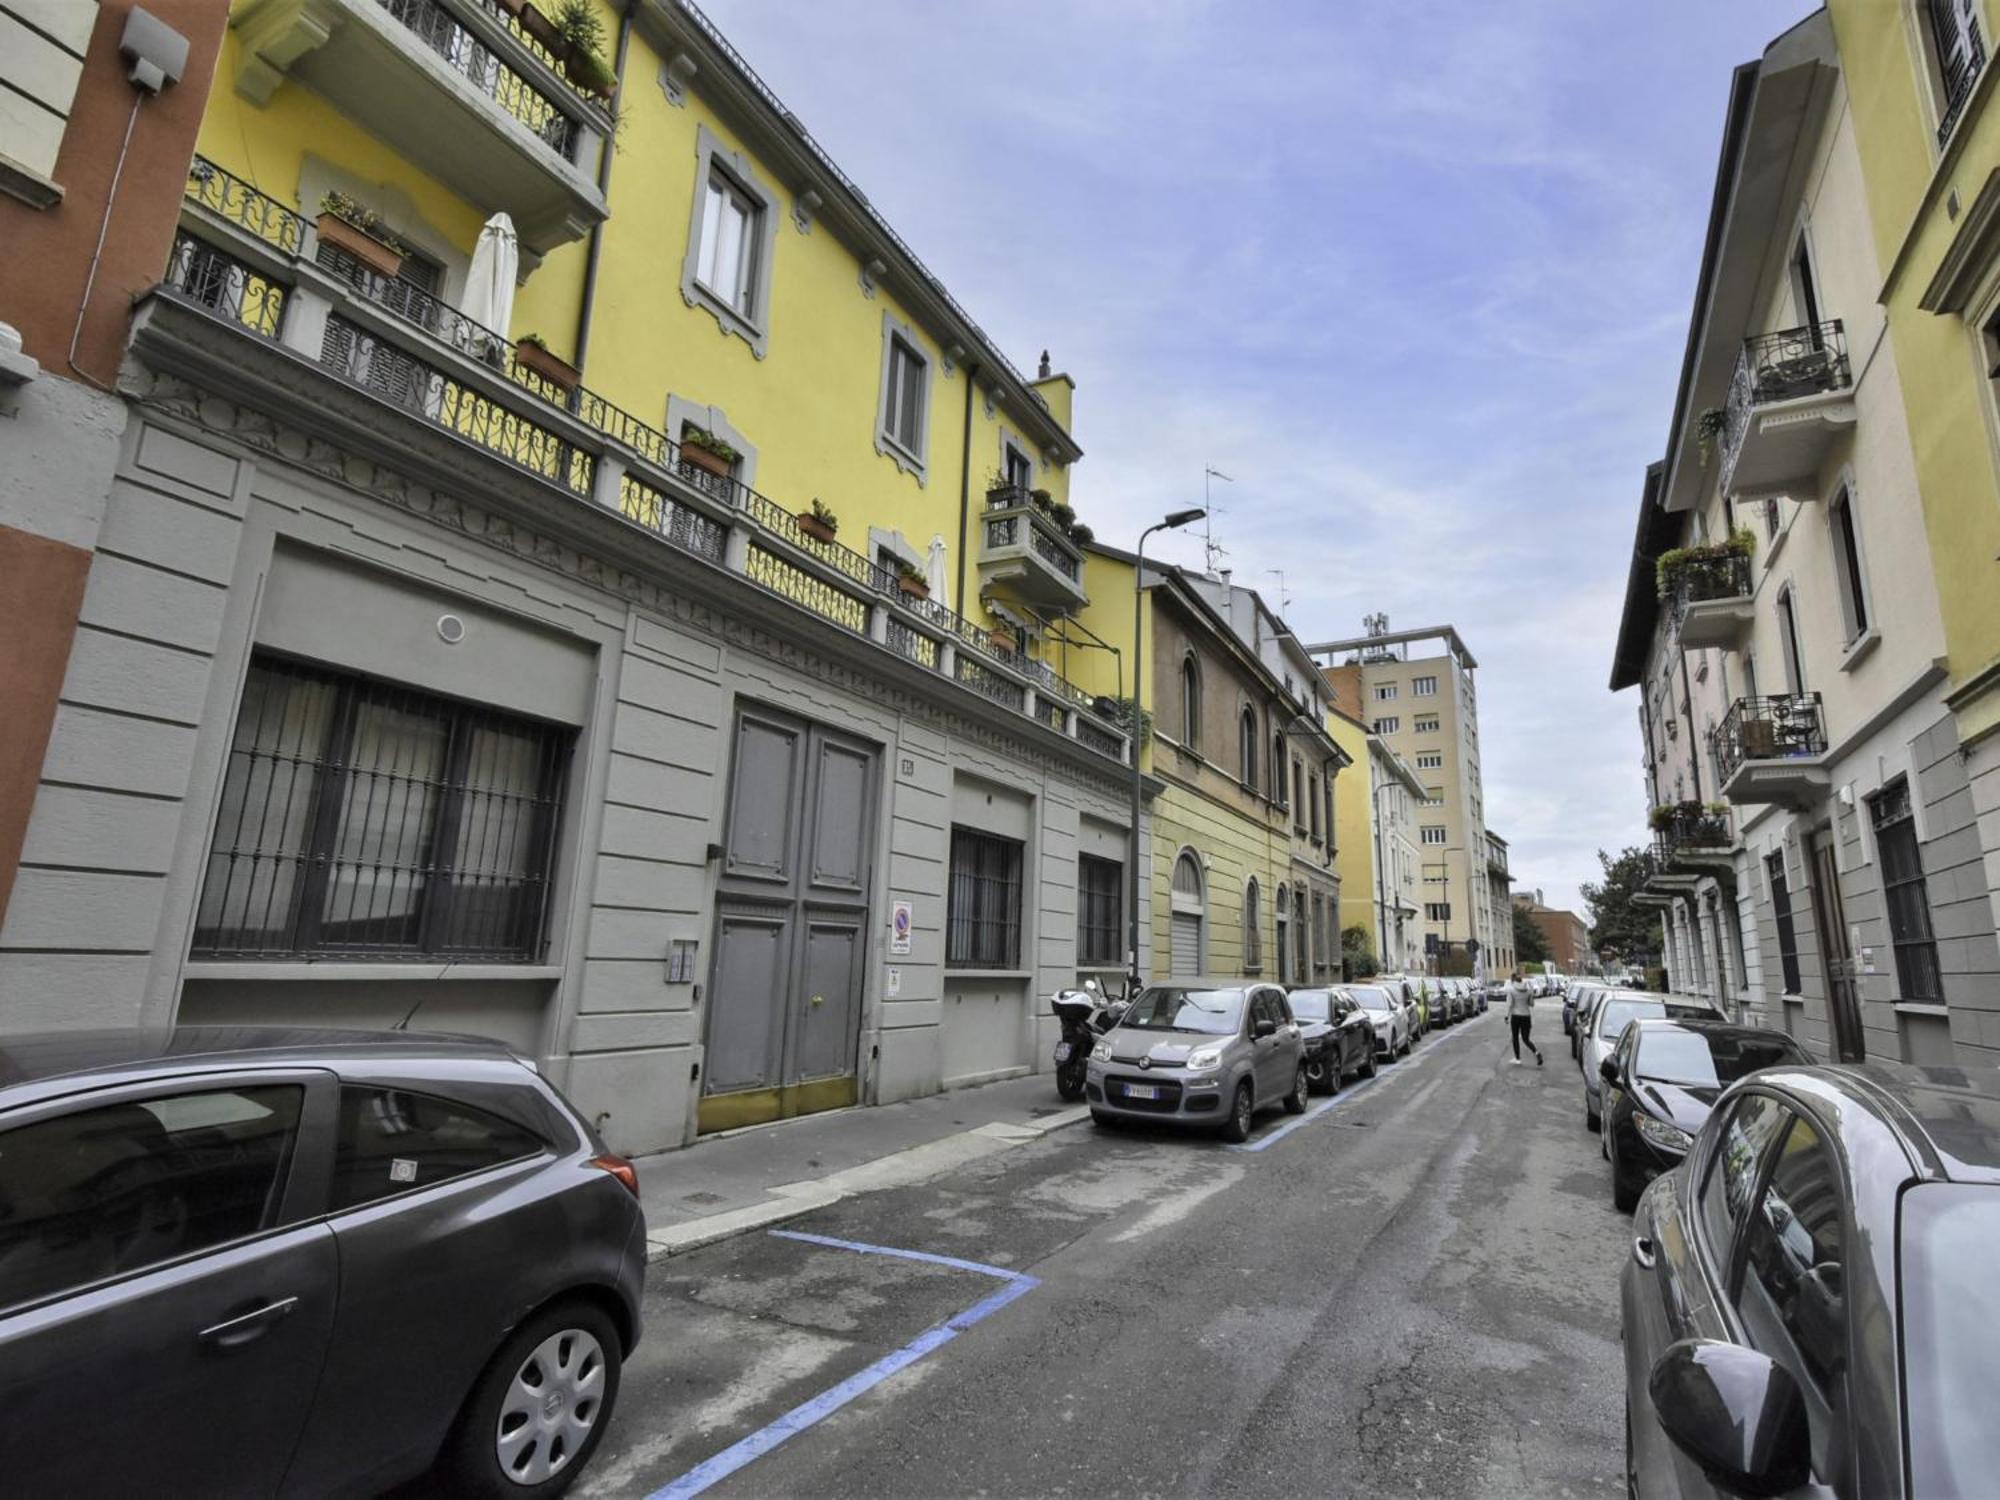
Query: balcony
[(1692, 835), (1790, 395), (453, 86), (1772, 750), (1708, 593), (251, 307), (1027, 554)]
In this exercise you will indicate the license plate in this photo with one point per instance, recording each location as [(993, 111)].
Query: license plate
[(1141, 1091), (1062, 1051)]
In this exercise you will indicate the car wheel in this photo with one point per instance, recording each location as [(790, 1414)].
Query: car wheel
[(1590, 1117), (1370, 1067), (539, 1408), (1323, 1075), (1624, 1196), (1631, 1470), (1236, 1129), (1337, 1074), (1295, 1101)]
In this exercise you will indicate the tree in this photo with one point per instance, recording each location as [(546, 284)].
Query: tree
[(1530, 945), (1619, 926), (1357, 953)]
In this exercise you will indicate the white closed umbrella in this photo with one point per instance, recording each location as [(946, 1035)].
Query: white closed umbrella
[(489, 285), (937, 575)]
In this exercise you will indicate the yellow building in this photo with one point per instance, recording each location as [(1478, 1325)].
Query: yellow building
[(1379, 861)]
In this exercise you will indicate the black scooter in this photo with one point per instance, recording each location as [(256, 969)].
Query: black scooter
[(1086, 1014)]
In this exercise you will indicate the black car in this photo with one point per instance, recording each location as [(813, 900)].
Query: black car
[(1339, 1038), (1809, 1302), (238, 1261), (1660, 1083)]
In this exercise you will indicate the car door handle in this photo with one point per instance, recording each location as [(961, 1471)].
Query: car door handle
[(1642, 1250), (246, 1326)]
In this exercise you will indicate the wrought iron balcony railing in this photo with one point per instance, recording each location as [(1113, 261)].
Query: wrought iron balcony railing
[(1961, 71), (532, 103), (426, 359), (1781, 366), (1707, 574), (1788, 726), (1690, 831)]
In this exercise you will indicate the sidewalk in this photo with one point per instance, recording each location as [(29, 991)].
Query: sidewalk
[(730, 1184)]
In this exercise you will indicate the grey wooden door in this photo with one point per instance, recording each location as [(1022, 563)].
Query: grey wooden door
[(784, 1001)]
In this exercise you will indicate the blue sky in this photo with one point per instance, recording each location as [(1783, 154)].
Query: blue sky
[(1416, 274)]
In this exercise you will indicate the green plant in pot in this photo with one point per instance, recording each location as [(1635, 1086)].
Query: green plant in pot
[(910, 579), (702, 449), (1708, 428), (532, 354), (579, 25), (359, 230), (819, 523)]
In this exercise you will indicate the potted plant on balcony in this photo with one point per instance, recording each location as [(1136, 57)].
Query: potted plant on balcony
[(1042, 500), (910, 579), (1003, 639), (819, 523), (361, 233), (582, 29), (1081, 534), (532, 354), (1713, 563), (1708, 427), (702, 449), (537, 24)]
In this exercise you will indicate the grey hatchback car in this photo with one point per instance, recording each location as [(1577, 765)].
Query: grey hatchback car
[(1200, 1052), (239, 1261)]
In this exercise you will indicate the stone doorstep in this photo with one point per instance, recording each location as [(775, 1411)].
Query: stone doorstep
[(792, 1200)]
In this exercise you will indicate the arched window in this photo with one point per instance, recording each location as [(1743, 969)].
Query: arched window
[(1253, 922), (1185, 935), (1191, 702), (1300, 967), (1278, 771), (1248, 747), (1284, 928)]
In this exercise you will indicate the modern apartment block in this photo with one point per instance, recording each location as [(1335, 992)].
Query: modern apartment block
[(617, 601), (1819, 856), (1415, 689)]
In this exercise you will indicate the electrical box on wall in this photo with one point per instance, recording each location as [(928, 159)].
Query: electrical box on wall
[(681, 960)]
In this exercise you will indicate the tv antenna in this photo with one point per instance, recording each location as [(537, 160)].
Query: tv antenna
[(1376, 624), (1210, 546)]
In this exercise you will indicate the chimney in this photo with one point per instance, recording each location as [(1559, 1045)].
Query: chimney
[(1044, 372)]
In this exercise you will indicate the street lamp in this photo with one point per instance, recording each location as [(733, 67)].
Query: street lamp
[(1172, 521)]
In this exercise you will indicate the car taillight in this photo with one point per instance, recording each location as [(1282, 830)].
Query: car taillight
[(620, 1168)]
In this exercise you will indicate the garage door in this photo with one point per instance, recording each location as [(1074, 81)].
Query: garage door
[(1186, 945)]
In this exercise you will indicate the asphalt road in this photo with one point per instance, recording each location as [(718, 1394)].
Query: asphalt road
[(1411, 1293)]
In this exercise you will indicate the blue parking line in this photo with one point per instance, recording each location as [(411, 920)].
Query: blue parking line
[(826, 1403)]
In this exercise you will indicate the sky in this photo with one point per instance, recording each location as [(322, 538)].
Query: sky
[(1416, 274)]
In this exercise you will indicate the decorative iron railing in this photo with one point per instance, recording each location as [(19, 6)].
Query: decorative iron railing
[(230, 198), (1699, 578), (1014, 518), (1961, 71), (529, 42), (1691, 829), (983, 679), (1781, 367), (687, 529), (226, 285), (527, 101), (1783, 727)]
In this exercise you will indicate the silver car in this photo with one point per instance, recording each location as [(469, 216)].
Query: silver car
[(1393, 1021), (1199, 1052)]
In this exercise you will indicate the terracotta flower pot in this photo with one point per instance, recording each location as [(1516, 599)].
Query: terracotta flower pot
[(543, 30), (559, 373), (916, 588), (382, 259), (701, 458), (591, 73), (1003, 641), (814, 527)]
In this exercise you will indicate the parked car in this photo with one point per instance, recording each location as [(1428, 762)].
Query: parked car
[(1411, 992), (1660, 1082), (1571, 996), (253, 1261), (1808, 1303), (1613, 1012), (1581, 1017), (1338, 1036), (1451, 993), (1388, 1015), (1205, 1052)]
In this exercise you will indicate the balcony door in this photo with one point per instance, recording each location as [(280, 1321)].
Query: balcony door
[(1805, 291), (1843, 1007)]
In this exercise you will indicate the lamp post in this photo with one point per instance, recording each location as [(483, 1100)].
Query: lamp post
[(1172, 521)]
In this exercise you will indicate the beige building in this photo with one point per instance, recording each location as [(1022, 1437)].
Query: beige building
[(1498, 918), (1415, 690)]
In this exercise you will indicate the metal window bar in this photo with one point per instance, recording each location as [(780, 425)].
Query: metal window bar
[(365, 820), (233, 200), (1780, 727), (983, 910), (1961, 53), (1100, 900), (1906, 894), (440, 31), (686, 529), (218, 281)]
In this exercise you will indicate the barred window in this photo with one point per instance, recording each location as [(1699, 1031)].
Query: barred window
[(1905, 893), (983, 915), (369, 821), (1100, 887), (1788, 937)]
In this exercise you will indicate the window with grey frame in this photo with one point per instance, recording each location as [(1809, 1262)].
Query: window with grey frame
[(364, 820), (1781, 909), (1190, 702), (1100, 895), (903, 397), (1278, 780), (1905, 893), (1955, 52), (983, 904), (1850, 576), (1247, 747), (726, 260)]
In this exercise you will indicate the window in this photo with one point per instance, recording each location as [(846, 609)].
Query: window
[(727, 262), (1100, 892), (1424, 687), (371, 821), (1314, 800), (1847, 566), (1433, 834), (1298, 794), (1278, 782), (1788, 638), (391, 1141), (983, 911), (1426, 724), (1284, 910), (1431, 760), (1906, 893), (1954, 52), (1299, 968), (1187, 920), (1020, 468), (1388, 726), (103, 1192), (1732, 1171), (1190, 702), (1247, 748), (1437, 911), (1253, 930), (1321, 947), (1385, 692), (903, 429), (42, 76), (732, 236), (1788, 937)]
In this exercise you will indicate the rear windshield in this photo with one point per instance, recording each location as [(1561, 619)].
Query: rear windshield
[(1176, 1008), (1951, 1305), (1311, 1005), (1372, 999), (1696, 1059), (1615, 1015)]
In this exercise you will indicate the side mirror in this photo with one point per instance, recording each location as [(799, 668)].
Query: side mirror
[(1608, 1070), (1737, 1413), (1263, 1026)]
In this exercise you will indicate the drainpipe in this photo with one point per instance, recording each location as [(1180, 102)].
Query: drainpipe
[(583, 316), (965, 486), (1694, 743)]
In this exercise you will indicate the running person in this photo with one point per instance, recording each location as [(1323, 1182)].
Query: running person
[(1521, 1017)]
